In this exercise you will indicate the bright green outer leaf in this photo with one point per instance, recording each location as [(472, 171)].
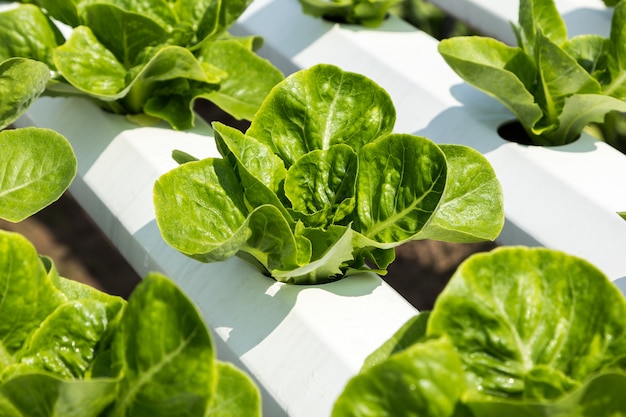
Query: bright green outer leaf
[(622, 214), (423, 380), (602, 395), (616, 62), (28, 296), (502, 71), (517, 311), (124, 33), (235, 395), (161, 11), (209, 193), (254, 156), (36, 167), (26, 32), (217, 18), (66, 341), (322, 183), (21, 82), (86, 64), (169, 79), (540, 16), (590, 52), (400, 184), (411, 332), (319, 107), (217, 223), (250, 77), (65, 11), (579, 111), (472, 208), (560, 77), (42, 395), (166, 354)]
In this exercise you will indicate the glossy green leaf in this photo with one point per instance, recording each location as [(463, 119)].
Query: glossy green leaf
[(208, 191), (590, 52), (516, 311), (166, 352), (559, 77), (235, 395), (411, 332), (27, 293), (400, 184), (321, 186), (602, 395), (580, 110), (66, 341), (250, 77), (125, 34), (89, 66), (616, 64), (257, 158), (21, 82), (36, 167), (426, 379), (42, 395), (472, 200), (540, 16), (321, 107), (26, 32), (216, 18), (502, 71)]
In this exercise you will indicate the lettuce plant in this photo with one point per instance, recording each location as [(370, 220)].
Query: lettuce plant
[(362, 12), (319, 185), (36, 165), (67, 349), (73, 351), (140, 58), (516, 332), (555, 86)]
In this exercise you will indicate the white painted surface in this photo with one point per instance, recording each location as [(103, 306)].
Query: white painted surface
[(493, 17)]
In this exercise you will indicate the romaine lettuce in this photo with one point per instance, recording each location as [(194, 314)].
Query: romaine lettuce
[(554, 86), (516, 332), (319, 185), (143, 57), (68, 349)]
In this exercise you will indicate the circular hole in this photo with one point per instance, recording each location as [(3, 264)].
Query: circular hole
[(514, 132)]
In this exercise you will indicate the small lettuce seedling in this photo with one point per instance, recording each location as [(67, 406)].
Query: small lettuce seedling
[(139, 58), (319, 185), (362, 12), (516, 332), (554, 86)]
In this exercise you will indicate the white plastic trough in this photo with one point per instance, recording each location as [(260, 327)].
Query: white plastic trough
[(302, 344)]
